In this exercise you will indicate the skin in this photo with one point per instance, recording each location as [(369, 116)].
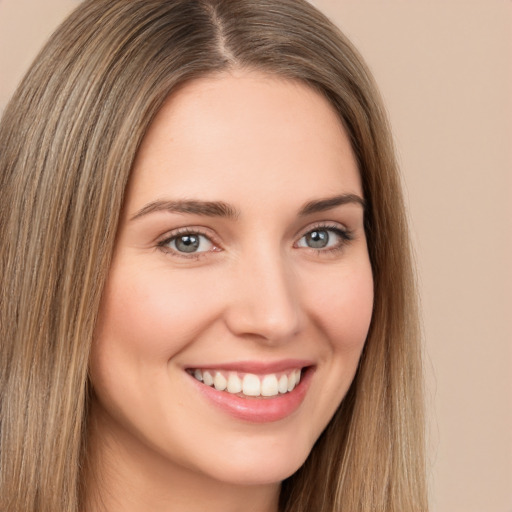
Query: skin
[(254, 292)]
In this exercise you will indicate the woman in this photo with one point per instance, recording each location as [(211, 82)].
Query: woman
[(208, 296)]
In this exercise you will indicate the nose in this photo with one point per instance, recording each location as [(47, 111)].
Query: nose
[(264, 302)]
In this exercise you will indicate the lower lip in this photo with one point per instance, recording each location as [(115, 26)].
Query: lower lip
[(258, 410)]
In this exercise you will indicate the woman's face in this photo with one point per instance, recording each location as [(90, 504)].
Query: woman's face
[(240, 263)]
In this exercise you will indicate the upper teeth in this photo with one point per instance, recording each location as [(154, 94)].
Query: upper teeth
[(249, 384)]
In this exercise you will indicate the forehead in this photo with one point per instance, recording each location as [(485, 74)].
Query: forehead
[(247, 130)]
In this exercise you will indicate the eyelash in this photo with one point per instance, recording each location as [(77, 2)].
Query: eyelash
[(162, 245), (344, 234)]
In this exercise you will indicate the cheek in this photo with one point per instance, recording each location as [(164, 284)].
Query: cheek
[(344, 307), (344, 313), (355, 308), (147, 317), (341, 310), (150, 313)]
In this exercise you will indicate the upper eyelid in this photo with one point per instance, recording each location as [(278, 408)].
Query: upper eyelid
[(215, 239), (208, 233), (170, 236), (344, 232), (200, 230), (322, 225), (186, 230)]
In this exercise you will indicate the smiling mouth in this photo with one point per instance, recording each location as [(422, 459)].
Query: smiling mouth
[(249, 385)]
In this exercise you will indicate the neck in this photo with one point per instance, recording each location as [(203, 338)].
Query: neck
[(123, 474)]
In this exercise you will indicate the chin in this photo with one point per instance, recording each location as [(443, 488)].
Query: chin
[(262, 468)]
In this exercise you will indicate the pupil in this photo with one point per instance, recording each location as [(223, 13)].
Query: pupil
[(187, 243), (318, 239)]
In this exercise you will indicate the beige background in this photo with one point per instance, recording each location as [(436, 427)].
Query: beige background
[(445, 71)]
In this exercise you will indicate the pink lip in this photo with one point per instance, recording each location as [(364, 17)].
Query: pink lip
[(257, 367), (258, 409)]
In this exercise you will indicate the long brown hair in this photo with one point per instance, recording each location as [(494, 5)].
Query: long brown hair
[(68, 140)]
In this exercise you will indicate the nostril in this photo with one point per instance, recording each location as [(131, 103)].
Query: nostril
[(261, 324)]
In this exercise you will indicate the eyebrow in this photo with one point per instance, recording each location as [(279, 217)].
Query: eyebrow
[(222, 209), (322, 205), (206, 208)]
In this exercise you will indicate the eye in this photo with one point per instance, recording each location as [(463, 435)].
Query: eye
[(324, 238), (188, 242)]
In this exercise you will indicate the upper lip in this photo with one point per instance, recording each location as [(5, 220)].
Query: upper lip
[(258, 367)]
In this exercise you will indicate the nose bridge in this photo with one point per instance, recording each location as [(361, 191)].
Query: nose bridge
[(264, 302)]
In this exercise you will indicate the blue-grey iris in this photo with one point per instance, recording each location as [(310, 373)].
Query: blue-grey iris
[(317, 239), (187, 243)]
